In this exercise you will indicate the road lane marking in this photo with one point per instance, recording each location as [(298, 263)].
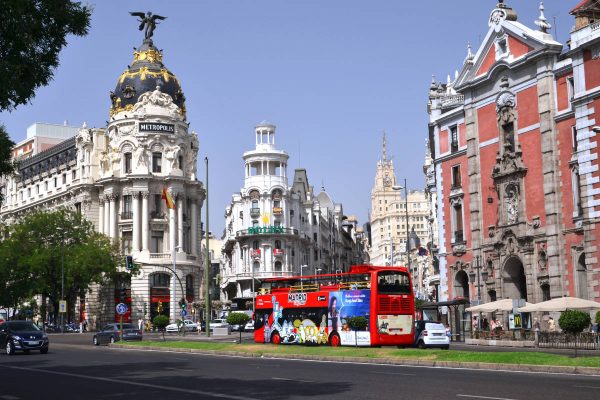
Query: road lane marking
[(391, 373), (146, 385), (291, 380), (587, 387), (483, 397)]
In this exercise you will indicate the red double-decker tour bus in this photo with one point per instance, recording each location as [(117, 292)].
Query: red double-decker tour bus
[(317, 309)]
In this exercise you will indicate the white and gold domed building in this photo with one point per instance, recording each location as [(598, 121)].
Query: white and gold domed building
[(115, 175)]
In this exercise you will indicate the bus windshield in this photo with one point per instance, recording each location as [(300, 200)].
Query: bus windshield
[(393, 282)]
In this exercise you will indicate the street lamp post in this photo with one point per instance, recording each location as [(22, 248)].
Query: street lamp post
[(484, 275)]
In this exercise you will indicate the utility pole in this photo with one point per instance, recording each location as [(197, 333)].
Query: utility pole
[(208, 266)]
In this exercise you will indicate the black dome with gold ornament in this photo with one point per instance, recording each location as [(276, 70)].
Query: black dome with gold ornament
[(145, 73)]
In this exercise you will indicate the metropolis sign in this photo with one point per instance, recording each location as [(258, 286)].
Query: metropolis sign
[(156, 127)]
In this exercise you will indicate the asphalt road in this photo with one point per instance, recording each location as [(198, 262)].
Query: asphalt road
[(74, 369)]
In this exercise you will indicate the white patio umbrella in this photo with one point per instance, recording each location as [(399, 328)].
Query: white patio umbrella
[(499, 305), (562, 304)]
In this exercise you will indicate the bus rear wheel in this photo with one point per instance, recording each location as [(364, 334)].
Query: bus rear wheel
[(334, 340), (275, 338)]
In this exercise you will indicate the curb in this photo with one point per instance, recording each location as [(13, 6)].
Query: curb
[(550, 369)]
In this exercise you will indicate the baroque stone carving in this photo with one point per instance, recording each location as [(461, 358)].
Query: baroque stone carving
[(150, 102)]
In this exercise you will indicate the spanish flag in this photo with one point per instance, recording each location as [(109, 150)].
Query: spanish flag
[(168, 199)]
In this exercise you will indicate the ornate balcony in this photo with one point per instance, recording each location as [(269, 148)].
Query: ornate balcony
[(453, 100), (278, 252), (277, 210), (255, 253), (157, 215), (255, 212), (127, 215)]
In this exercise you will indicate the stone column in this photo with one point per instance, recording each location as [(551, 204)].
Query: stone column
[(101, 215), (106, 216), (180, 222), (136, 221), (112, 216), (172, 232), (144, 216), (194, 229)]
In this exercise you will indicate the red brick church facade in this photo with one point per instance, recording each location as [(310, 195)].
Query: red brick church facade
[(514, 138)]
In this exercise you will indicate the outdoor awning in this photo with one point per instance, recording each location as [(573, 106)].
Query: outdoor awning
[(500, 305), (562, 304)]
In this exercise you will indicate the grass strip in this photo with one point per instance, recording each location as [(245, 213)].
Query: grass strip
[(520, 358)]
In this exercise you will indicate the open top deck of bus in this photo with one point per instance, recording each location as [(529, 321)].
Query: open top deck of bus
[(359, 277)]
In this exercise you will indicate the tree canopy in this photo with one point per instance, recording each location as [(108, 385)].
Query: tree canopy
[(32, 34), (35, 251)]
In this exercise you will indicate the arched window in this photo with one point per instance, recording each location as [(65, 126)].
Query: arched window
[(255, 245), (160, 280), (277, 266), (278, 244)]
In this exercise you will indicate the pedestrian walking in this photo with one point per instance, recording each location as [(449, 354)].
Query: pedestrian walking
[(551, 325), (141, 324)]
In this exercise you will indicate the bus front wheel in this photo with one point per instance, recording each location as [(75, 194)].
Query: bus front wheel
[(334, 340), (275, 338)]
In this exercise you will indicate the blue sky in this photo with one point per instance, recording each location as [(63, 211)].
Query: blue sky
[(331, 74)]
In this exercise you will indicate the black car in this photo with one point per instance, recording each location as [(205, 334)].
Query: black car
[(112, 333), (22, 336)]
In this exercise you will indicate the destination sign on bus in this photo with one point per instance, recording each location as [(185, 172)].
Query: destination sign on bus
[(297, 298)]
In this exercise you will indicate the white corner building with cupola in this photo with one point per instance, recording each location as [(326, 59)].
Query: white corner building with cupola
[(115, 176), (274, 229)]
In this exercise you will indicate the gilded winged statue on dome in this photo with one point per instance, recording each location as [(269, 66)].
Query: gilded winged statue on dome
[(147, 20)]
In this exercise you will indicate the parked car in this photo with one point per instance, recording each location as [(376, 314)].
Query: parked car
[(111, 333), (249, 326), (431, 334), (22, 336), (190, 326), (216, 323)]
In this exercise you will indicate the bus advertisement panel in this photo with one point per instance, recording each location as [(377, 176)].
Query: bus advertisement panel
[(346, 304)]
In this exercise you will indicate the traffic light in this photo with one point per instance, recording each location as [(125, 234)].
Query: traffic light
[(145, 308), (123, 295), (129, 263), (182, 304)]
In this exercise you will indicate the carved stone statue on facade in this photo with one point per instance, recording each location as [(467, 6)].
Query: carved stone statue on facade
[(141, 156), (104, 163), (115, 158), (83, 142), (158, 99), (172, 156)]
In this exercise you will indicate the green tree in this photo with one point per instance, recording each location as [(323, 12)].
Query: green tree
[(32, 34), (240, 319), (161, 322), (41, 246), (574, 321)]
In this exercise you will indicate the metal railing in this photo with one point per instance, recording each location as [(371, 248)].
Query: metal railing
[(452, 100), (127, 215), (562, 340), (458, 237)]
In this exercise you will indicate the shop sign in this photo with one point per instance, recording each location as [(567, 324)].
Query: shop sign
[(156, 127), (265, 229)]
